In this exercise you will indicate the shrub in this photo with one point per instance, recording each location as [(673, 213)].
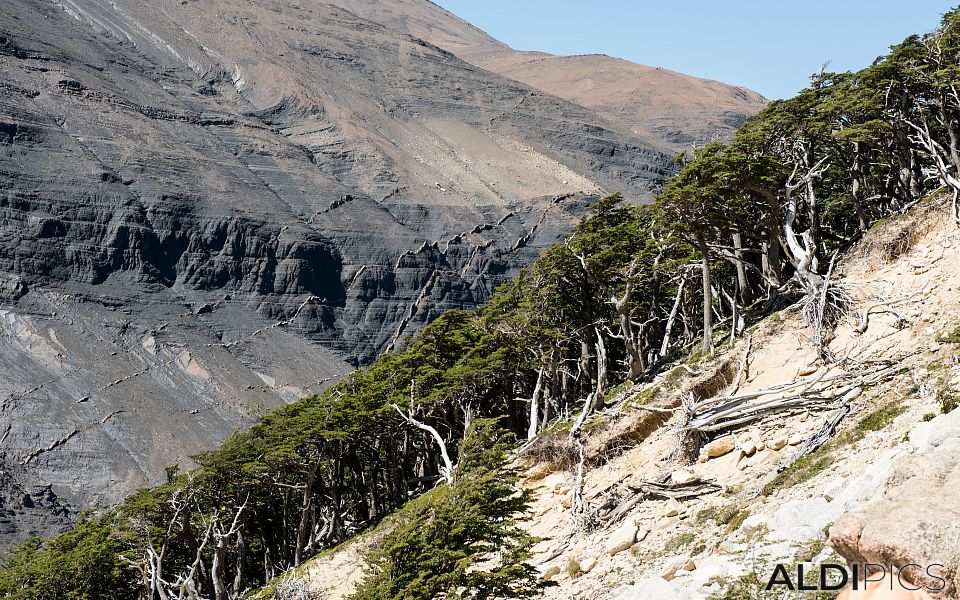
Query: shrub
[(462, 539)]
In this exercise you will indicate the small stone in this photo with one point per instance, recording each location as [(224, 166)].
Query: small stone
[(587, 564), (749, 448), (673, 508), (667, 523), (795, 440), (777, 443), (681, 476), (623, 538), (719, 447), (676, 567), (550, 573)]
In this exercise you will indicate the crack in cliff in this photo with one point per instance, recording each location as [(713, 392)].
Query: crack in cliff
[(412, 311), (68, 436)]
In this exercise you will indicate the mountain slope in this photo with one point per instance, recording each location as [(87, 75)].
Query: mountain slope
[(895, 440), (663, 107), (211, 211)]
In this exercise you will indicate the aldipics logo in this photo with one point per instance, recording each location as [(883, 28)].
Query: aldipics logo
[(832, 577)]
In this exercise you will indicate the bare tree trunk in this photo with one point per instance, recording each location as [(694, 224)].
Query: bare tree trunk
[(533, 428), (621, 305), (707, 295), (601, 389), (447, 469), (665, 345), (745, 295), (856, 171), (303, 528)]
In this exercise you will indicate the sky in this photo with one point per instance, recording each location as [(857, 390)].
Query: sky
[(771, 46)]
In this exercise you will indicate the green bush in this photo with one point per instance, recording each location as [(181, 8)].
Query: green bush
[(950, 338), (461, 540), (81, 564)]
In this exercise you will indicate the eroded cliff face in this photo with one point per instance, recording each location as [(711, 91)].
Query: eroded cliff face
[(211, 209)]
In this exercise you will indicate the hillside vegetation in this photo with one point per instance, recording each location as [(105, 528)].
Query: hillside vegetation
[(741, 230)]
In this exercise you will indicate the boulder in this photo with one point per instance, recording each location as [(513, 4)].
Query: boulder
[(550, 573), (622, 538), (916, 522), (719, 447), (673, 508), (587, 564), (654, 588), (677, 566)]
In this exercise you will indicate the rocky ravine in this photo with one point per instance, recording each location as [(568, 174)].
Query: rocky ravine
[(884, 491), (210, 209)]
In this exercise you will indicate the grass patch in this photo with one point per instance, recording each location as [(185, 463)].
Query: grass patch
[(810, 550), (807, 467), (722, 515), (573, 568), (881, 418), (679, 541), (950, 338), (738, 520), (948, 399)]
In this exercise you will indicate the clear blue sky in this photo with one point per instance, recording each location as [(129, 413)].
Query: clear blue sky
[(771, 46)]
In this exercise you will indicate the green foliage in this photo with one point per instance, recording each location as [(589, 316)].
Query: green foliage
[(948, 399), (679, 541), (81, 564), (461, 540), (952, 337)]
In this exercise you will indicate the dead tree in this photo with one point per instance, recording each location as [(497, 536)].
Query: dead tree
[(447, 469)]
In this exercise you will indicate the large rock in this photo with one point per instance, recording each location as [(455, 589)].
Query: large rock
[(917, 518), (917, 523), (718, 447), (654, 588)]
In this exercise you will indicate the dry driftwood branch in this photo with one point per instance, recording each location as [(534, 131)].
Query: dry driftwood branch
[(884, 306), (620, 498), (820, 392), (651, 490), (812, 443)]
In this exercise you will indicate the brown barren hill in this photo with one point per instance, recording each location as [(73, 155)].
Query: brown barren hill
[(670, 109)]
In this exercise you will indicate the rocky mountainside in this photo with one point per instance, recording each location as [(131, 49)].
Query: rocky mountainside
[(668, 109), (211, 209), (878, 491)]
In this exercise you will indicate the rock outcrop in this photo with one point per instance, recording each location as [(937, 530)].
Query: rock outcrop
[(916, 521)]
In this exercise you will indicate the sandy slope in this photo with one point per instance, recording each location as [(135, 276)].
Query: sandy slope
[(790, 521)]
